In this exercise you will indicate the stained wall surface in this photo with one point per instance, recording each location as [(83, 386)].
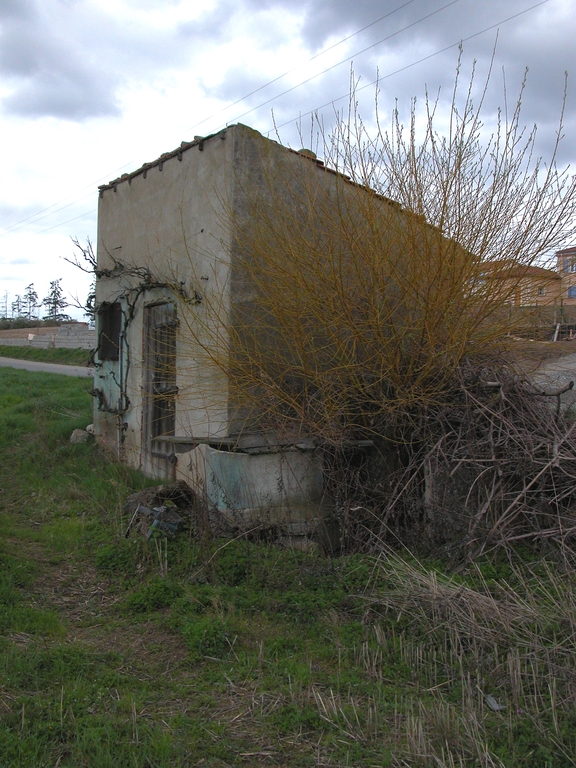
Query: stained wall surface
[(162, 237), (179, 231)]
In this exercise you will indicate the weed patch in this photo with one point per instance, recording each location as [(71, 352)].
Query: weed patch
[(245, 654), (157, 593)]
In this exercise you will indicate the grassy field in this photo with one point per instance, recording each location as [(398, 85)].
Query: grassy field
[(61, 356), (118, 652)]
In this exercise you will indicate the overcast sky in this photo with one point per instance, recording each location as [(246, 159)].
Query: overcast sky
[(90, 89)]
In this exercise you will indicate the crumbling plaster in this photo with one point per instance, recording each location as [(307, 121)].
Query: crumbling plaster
[(168, 221), (168, 233)]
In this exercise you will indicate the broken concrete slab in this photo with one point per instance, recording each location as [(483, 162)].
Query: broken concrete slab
[(273, 487)]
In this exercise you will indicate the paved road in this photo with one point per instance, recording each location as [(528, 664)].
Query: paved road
[(32, 365), (554, 374)]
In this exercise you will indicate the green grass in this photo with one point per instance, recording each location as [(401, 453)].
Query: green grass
[(60, 356), (123, 652)]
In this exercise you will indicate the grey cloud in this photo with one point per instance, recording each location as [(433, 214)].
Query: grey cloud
[(59, 95), (152, 4), (235, 81), (53, 79), (15, 8), (12, 214), (67, 60), (48, 73), (214, 24), (525, 41), (417, 18), (219, 24)]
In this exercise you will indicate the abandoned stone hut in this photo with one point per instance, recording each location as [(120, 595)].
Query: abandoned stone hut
[(168, 288)]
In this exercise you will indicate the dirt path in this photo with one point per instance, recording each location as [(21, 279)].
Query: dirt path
[(550, 366), (553, 375), (88, 604)]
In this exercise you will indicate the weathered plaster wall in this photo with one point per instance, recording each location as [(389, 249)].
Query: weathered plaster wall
[(288, 205), (170, 222), (177, 234)]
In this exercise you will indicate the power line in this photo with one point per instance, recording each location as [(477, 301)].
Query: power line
[(21, 222), (412, 64), (302, 63), (349, 58), (61, 223), (16, 225)]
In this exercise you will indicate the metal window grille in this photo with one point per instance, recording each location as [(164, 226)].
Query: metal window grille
[(160, 372)]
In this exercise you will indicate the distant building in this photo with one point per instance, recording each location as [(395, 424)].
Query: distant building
[(524, 286), (566, 265)]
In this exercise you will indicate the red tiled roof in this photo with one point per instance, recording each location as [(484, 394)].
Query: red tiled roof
[(515, 271)]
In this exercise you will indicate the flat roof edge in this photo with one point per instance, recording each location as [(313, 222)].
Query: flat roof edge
[(198, 141)]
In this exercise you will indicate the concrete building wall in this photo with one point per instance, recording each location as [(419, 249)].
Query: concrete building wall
[(69, 336), (287, 203), (162, 237), (268, 488), (170, 233), (174, 233)]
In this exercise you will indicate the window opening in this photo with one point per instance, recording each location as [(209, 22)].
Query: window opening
[(110, 326), (160, 355)]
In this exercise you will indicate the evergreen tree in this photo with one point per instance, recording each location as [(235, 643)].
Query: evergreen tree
[(18, 307), (55, 303), (89, 306), (30, 302)]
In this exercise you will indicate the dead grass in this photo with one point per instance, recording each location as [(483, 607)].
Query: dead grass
[(506, 648)]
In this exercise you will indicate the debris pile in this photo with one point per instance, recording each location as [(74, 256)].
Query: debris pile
[(163, 509)]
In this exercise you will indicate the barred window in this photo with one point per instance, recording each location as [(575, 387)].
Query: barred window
[(160, 324)]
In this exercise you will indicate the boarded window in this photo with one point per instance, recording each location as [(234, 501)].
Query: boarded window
[(110, 326)]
